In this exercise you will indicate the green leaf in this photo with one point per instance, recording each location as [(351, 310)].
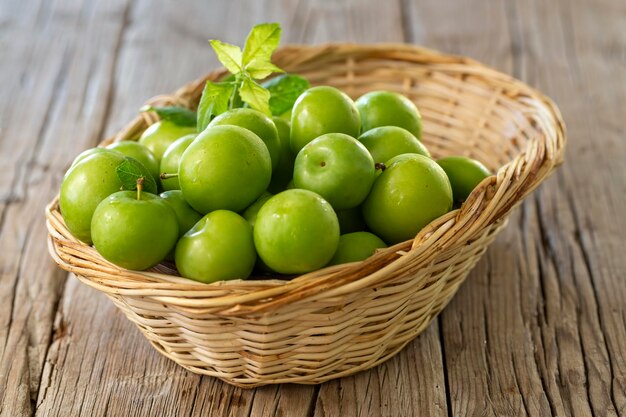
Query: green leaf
[(130, 170), (214, 101), (261, 69), (229, 55), (261, 43), (176, 114), (256, 96), (285, 90)]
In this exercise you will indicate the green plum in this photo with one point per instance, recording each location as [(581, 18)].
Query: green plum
[(140, 153), (337, 167), (134, 233), (296, 231), (385, 142), (253, 210), (355, 247), (84, 186), (284, 170), (186, 216), (226, 167), (219, 247), (171, 159), (287, 115), (351, 220), (159, 136), (258, 123), (386, 108), (409, 194), (85, 154), (464, 174), (321, 110)]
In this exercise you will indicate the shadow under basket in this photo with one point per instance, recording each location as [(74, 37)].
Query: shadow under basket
[(344, 319)]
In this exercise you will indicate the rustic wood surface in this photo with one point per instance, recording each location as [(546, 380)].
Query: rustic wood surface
[(538, 329)]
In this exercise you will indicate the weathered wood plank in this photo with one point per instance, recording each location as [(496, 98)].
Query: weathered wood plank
[(538, 329), (50, 107)]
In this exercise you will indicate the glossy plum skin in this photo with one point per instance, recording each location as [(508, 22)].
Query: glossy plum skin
[(355, 247), (258, 123), (283, 172), (219, 247), (408, 195), (296, 231), (337, 167), (387, 108), (171, 160), (351, 220), (186, 216), (252, 211), (159, 136), (321, 110), (140, 153), (385, 142), (134, 234), (89, 181), (464, 174), (226, 167)]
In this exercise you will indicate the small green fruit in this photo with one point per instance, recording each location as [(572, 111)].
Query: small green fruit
[(355, 247), (337, 167), (387, 108), (134, 234), (296, 231), (171, 160), (85, 185), (258, 123), (409, 194), (186, 216), (385, 142), (218, 247), (321, 110), (139, 152), (464, 175), (226, 167), (159, 136)]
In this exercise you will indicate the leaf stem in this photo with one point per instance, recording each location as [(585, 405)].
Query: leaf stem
[(231, 101), (140, 181)]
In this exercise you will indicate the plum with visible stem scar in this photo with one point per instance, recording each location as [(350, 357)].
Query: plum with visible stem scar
[(134, 229)]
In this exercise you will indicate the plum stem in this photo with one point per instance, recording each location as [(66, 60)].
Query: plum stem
[(165, 175), (140, 181), (380, 165)]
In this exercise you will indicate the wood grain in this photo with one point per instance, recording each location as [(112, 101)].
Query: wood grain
[(539, 311), (53, 102), (538, 329)]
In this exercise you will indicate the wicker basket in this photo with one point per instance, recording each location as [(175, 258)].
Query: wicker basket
[(344, 319)]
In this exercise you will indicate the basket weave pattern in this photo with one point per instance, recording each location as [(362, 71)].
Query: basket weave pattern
[(347, 318)]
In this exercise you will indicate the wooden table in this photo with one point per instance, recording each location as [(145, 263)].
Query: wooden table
[(538, 329)]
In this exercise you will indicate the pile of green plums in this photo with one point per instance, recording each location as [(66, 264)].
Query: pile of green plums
[(330, 183)]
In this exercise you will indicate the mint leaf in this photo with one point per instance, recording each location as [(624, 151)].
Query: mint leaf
[(261, 69), (256, 96), (285, 90), (129, 170), (262, 40), (176, 114), (229, 55), (214, 101)]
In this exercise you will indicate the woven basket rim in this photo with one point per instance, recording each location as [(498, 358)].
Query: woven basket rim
[(490, 201)]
